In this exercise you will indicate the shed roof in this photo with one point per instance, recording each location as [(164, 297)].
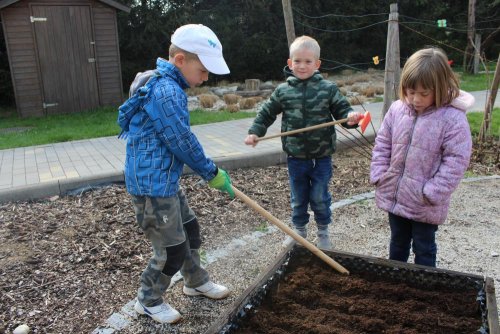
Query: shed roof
[(115, 4)]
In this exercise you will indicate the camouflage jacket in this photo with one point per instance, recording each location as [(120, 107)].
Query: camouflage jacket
[(304, 103)]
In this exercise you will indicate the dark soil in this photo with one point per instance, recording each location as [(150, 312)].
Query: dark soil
[(312, 299)]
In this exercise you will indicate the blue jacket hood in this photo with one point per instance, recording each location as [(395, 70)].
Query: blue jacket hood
[(140, 89)]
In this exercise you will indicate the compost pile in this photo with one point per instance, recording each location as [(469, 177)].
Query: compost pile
[(313, 298)]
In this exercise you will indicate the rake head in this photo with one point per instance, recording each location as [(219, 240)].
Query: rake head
[(367, 118)]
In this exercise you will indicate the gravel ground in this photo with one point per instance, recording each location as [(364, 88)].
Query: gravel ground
[(467, 243), (70, 264)]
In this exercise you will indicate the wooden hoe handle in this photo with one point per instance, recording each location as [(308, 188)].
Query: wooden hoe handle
[(282, 226)]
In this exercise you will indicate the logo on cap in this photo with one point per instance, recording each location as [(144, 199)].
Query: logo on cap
[(212, 43)]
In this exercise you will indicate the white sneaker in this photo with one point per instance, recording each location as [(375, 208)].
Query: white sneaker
[(163, 313), (209, 289)]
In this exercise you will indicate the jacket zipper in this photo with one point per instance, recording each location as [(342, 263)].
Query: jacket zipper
[(304, 118), (404, 164), (167, 186)]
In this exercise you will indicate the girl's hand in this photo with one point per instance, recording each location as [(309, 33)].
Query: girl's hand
[(354, 117), (251, 140)]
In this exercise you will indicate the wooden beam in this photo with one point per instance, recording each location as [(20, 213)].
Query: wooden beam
[(287, 13), (392, 65)]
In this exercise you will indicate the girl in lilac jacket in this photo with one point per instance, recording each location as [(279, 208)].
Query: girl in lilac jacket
[(421, 153)]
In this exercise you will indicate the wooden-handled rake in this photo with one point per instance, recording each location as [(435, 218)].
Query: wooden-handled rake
[(367, 117), (282, 226)]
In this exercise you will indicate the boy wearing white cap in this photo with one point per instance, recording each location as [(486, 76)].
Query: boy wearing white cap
[(155, 120)]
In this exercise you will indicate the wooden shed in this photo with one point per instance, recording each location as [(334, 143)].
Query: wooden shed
[(63, 55)]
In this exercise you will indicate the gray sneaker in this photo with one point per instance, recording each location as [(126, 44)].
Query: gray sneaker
[(324, 239), (302, 232)]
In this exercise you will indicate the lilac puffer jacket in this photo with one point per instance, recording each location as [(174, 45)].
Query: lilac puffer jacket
[(418, 161)]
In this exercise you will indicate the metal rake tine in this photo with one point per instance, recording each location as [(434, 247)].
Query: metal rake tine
[(356, 140), (366, 139), (360, 153), (363, 152), (367, 153)]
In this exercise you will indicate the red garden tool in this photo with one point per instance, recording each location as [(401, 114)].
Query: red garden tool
[(367, 117), (282, 226)]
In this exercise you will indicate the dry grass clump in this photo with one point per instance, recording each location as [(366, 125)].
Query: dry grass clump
[(362, 77), (350, 81), (357, 89), (340, 83), (371, 91), (224, 83), (347, 72), (207, 100), (194, 91), (231, 98), (368, 91), (233, 108), (249, 102), (343, 90), (356, 100)]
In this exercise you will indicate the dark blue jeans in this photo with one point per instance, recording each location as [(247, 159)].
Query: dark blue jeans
[(403, 232), (309, 181)]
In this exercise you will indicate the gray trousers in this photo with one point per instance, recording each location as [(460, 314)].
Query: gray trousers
[(172, 228)]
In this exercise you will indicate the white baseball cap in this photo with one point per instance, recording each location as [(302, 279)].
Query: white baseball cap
[(200, 40)]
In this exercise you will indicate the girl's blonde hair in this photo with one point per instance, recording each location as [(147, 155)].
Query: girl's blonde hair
[(305, 42), (429, 68)]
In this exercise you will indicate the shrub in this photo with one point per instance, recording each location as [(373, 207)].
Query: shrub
[(231, 98), (233, 108), (248, 103), (362, 78), (356, 100), (194, 91), (207, 100), (347, 72), (379, 90), (368, 91)]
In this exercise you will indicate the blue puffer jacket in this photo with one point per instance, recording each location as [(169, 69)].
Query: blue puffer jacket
[(156, 121)]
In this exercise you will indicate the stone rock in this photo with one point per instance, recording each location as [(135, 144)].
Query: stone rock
[(21, 329)]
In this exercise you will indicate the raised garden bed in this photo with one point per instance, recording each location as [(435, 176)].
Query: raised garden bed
[(301, 294)]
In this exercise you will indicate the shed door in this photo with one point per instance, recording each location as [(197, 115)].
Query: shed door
[(65, 46)]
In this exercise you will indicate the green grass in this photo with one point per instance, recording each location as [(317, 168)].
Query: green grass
[(262, 227), (91, 124), (474, 82), (476, 119)]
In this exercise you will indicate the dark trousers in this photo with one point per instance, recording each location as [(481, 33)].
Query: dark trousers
[(406, 233), (309, 181)]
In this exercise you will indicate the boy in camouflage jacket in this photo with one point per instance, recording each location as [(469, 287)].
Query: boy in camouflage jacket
[(306, 99)]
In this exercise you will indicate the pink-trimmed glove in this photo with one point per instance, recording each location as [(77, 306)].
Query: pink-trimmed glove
[(222, 182)]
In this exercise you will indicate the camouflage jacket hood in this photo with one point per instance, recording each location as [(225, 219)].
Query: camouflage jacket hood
[(304, 103)]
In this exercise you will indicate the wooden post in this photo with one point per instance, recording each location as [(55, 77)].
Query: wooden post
[(477, 53), (252, 84), (287, 13), (392, 66), (471, 31), (490, 103)]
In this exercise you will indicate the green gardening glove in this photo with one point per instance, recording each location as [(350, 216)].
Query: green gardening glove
[(222, 182)]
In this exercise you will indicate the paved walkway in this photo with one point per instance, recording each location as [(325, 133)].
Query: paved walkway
[(46, 170)]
